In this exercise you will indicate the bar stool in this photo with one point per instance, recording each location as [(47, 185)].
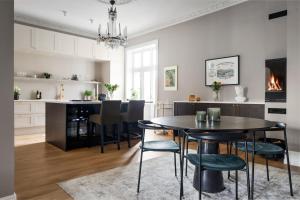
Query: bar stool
[(109, 116), (134, 113)]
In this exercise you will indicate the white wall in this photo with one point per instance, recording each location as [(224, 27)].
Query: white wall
[(293, 73), (60, 67), (6, 106)]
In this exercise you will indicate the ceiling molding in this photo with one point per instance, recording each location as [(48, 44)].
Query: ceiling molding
[(21, 18), (214, 8)]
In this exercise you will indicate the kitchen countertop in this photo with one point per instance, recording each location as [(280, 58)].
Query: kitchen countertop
[(220, 102), (58, 101)]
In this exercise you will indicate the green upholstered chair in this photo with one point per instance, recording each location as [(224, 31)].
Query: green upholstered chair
[(158, 145), (109, 117), (264, 148), (217, 162)]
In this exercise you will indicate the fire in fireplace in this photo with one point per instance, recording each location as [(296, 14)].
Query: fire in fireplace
[(274, 83), (275, 80)]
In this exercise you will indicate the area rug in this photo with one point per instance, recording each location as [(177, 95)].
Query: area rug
[(158, 182)]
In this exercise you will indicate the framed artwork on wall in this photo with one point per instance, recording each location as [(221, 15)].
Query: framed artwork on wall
[(170, 78), (225, 70)]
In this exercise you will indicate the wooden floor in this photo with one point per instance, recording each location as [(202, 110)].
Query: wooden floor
[(40, 166)]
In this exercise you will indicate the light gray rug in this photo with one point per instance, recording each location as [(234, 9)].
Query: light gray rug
[(159, 183)]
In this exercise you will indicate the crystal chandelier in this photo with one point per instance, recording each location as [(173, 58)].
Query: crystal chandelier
[(113, 38)]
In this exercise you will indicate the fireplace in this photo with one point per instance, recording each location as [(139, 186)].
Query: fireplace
[(275, 84)]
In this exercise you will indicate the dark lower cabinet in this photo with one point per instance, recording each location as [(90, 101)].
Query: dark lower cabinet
[(227, 109)]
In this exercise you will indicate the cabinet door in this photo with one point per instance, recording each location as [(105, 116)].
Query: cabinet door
[(38, 120), (184, 109), (38, 107), (23, 38), (22, 108), (101, 52), (228, 109), (201, 107), (251, 110), (64, 44), (84, 47), (44, 40), (22, 121)]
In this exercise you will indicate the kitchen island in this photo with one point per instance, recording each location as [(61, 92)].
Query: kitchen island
[(67, 124)]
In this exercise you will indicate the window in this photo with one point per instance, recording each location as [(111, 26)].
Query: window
[(141, 69)]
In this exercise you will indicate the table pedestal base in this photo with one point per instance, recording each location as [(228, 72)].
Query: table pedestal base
[(212, 181)]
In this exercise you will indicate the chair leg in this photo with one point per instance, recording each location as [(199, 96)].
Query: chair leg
[(181, 161), (140, 169), (247, 169), (199, 170), (236, 176), (128, 134), (253, 160), (267, 167), (186, 153), (118, 135), (175, 166), (229, 149), (288, 163), (141, 160), (101, 137)]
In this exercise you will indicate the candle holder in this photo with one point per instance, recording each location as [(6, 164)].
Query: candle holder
[(214, 114)]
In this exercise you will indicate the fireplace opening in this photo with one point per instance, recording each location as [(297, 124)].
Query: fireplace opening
[(275, 88)]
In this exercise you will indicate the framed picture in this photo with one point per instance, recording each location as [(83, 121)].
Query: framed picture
[(170, 78), (224, 70)]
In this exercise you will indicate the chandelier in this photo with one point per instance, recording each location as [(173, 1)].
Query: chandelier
[(113, 38)]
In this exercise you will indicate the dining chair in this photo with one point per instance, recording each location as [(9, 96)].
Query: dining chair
[(217, 162), (267, 149), (109, 117), (135, 112), (156, 146)]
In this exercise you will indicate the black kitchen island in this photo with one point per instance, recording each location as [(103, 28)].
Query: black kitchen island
[(67, 124)]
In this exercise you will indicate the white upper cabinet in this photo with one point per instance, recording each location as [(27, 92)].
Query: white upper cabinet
[(85, 48), (23, 38), (101, 52), (44, 40), (64, 44), (36, 40)]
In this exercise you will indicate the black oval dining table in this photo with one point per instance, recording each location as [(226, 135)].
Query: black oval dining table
[(212, 180)]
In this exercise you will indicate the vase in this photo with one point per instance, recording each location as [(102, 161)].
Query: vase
[(16, 96), (110, 96), (216, 95)]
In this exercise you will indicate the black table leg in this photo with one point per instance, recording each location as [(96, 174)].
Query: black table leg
[(212, 181)]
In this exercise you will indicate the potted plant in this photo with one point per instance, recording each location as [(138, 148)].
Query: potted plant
[(111, 88), (216, 87), (88, 95), (17, 93), (134, 94)]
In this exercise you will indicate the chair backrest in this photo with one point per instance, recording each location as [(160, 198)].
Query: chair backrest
[(217, 136), (145, 124), (136, 110), (110, 112)]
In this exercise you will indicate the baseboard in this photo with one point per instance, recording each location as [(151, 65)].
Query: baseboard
[(29, 131), (11, 197)]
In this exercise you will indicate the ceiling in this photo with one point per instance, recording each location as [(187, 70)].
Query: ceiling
[(141, 16)]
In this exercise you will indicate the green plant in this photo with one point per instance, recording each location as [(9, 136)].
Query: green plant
[(17, 91), (111, 87), (88, 93), (216, 86), (134, 94)]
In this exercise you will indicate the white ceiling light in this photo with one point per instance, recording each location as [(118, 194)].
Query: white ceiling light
[(111, 38)]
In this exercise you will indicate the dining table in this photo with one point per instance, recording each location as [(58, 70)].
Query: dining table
[(212, 181)]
